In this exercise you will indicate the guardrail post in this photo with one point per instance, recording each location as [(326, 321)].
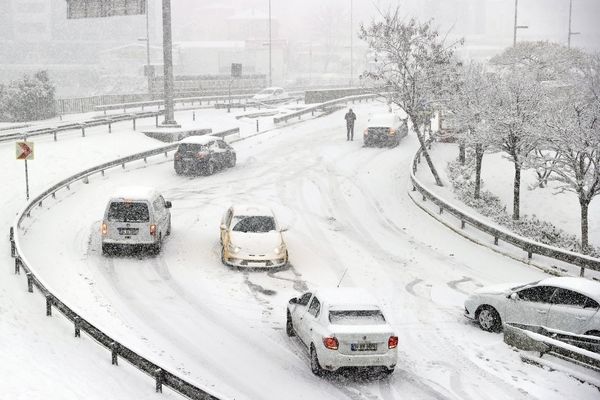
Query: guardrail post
[(158, 374), (109, 127), (77, 322), (54, 133), (11, 237), (156, 120), (49, 300), (82, 130), (441, 210), (114, 347), (312, 113), (424, 198), (496, 240), (462, 224), (529, 255), (123, 165), (17, 266), (29, 282), (581, 271), (257, 126), (133, 124), (193, 115)]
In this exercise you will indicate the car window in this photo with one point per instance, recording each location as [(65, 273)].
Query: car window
[(537, 294), (127, 211), (591, 303), (222, 144), (356, 317), (256, 224), (569, 298), (191, 148), (315, 307), (303, 300)]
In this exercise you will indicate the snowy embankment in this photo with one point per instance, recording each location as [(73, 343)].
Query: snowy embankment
[(349, 215)]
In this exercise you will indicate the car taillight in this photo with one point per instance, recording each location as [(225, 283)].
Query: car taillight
[(153, 229), (104, 229), (393, 342), (392, 131), (331, 343), (366, 132)]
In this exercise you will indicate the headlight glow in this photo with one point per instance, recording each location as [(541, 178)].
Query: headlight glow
[(232, 248)]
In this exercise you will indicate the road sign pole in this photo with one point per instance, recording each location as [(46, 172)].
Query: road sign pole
[(26, 181)]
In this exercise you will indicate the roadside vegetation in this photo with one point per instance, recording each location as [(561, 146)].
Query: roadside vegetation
[(27, 99)]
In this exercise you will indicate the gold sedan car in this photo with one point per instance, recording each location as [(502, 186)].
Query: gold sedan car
[(251, 238)]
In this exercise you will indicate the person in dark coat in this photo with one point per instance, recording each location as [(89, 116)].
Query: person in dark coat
[(350, 117)]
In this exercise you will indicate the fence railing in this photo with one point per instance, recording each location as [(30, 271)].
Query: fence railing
[(322, 106), (531, 247), (118, 350)]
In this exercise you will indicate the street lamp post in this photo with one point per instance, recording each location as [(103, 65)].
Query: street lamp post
[(517, 26), (351, 44), (270, 49), (147, 40), (571, 33)]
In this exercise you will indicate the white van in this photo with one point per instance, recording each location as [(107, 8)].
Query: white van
[(136, 217)]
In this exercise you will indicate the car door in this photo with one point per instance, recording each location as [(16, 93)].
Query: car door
[(297, 312), (571, 311), (164, 214), (310, 320), (530, 306)]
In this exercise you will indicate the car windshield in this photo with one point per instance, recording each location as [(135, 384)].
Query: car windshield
[(356, 317), (256, 224), (191, 147), (125, 211)]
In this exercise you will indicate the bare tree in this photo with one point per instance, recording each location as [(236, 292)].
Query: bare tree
[(415, 64), (514, 120)]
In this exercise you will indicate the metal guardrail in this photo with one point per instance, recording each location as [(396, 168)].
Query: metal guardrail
[(579, 349), (322, 106), (82, 125), (117, 349), (159, 103), (530, 246)]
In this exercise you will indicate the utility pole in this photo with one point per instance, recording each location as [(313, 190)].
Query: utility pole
[(168, 65), (570, 32), (351, 44), (517, 26), (270, 49), (148, 74)]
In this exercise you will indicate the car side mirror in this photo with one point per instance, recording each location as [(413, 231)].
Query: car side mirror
[(168, 204), (513, 296), (293, 300), (284, 228), (223, 227)]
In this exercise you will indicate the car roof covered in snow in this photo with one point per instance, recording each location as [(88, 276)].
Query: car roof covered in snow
[(251, 210), (347, 298), (134, 193), (204, 139), (382, 119), (582, 285)]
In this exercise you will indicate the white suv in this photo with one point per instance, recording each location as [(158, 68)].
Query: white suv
[(135, 217), (342, 327)]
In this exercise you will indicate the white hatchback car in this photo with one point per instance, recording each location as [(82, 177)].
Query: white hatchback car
[(342, 327), (271, 95), (251, 238), (564, 303)]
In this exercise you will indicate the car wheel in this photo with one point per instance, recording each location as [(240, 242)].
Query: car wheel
[(593, 333), (106, 249), (489, 319), (289, 326), (232, 160), (210, 168), (315, 367), (388, 371), (157, 246)]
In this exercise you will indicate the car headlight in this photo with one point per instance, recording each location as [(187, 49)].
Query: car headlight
[(232, 248), (280, 249)]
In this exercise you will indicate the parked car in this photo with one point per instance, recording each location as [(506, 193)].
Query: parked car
[(271, 95), (564, 303), (251, 237), (135, 217), (342, 327), (203, 154), (385, 129)]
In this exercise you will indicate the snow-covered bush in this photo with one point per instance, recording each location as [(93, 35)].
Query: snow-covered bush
[(27, 99), (490, 205)]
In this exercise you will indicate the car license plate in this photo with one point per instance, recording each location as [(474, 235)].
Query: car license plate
[(366, 346), (128, 231), (256, 263)]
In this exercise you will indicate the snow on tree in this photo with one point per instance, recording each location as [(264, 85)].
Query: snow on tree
[(413, 63), (573, 136), (515, 117), (470, 106)]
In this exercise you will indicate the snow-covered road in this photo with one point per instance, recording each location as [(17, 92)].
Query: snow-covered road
[(348, 210)]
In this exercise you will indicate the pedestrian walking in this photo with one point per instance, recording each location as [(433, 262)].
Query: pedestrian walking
[(350, 117)]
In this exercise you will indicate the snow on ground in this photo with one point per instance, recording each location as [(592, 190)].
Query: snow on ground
[(348, 210), (561, 209)]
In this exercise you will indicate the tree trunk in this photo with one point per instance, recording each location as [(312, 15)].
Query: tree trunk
[(438, 181), (478, 160), (462, 153), (516, 191), (584, 225)]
